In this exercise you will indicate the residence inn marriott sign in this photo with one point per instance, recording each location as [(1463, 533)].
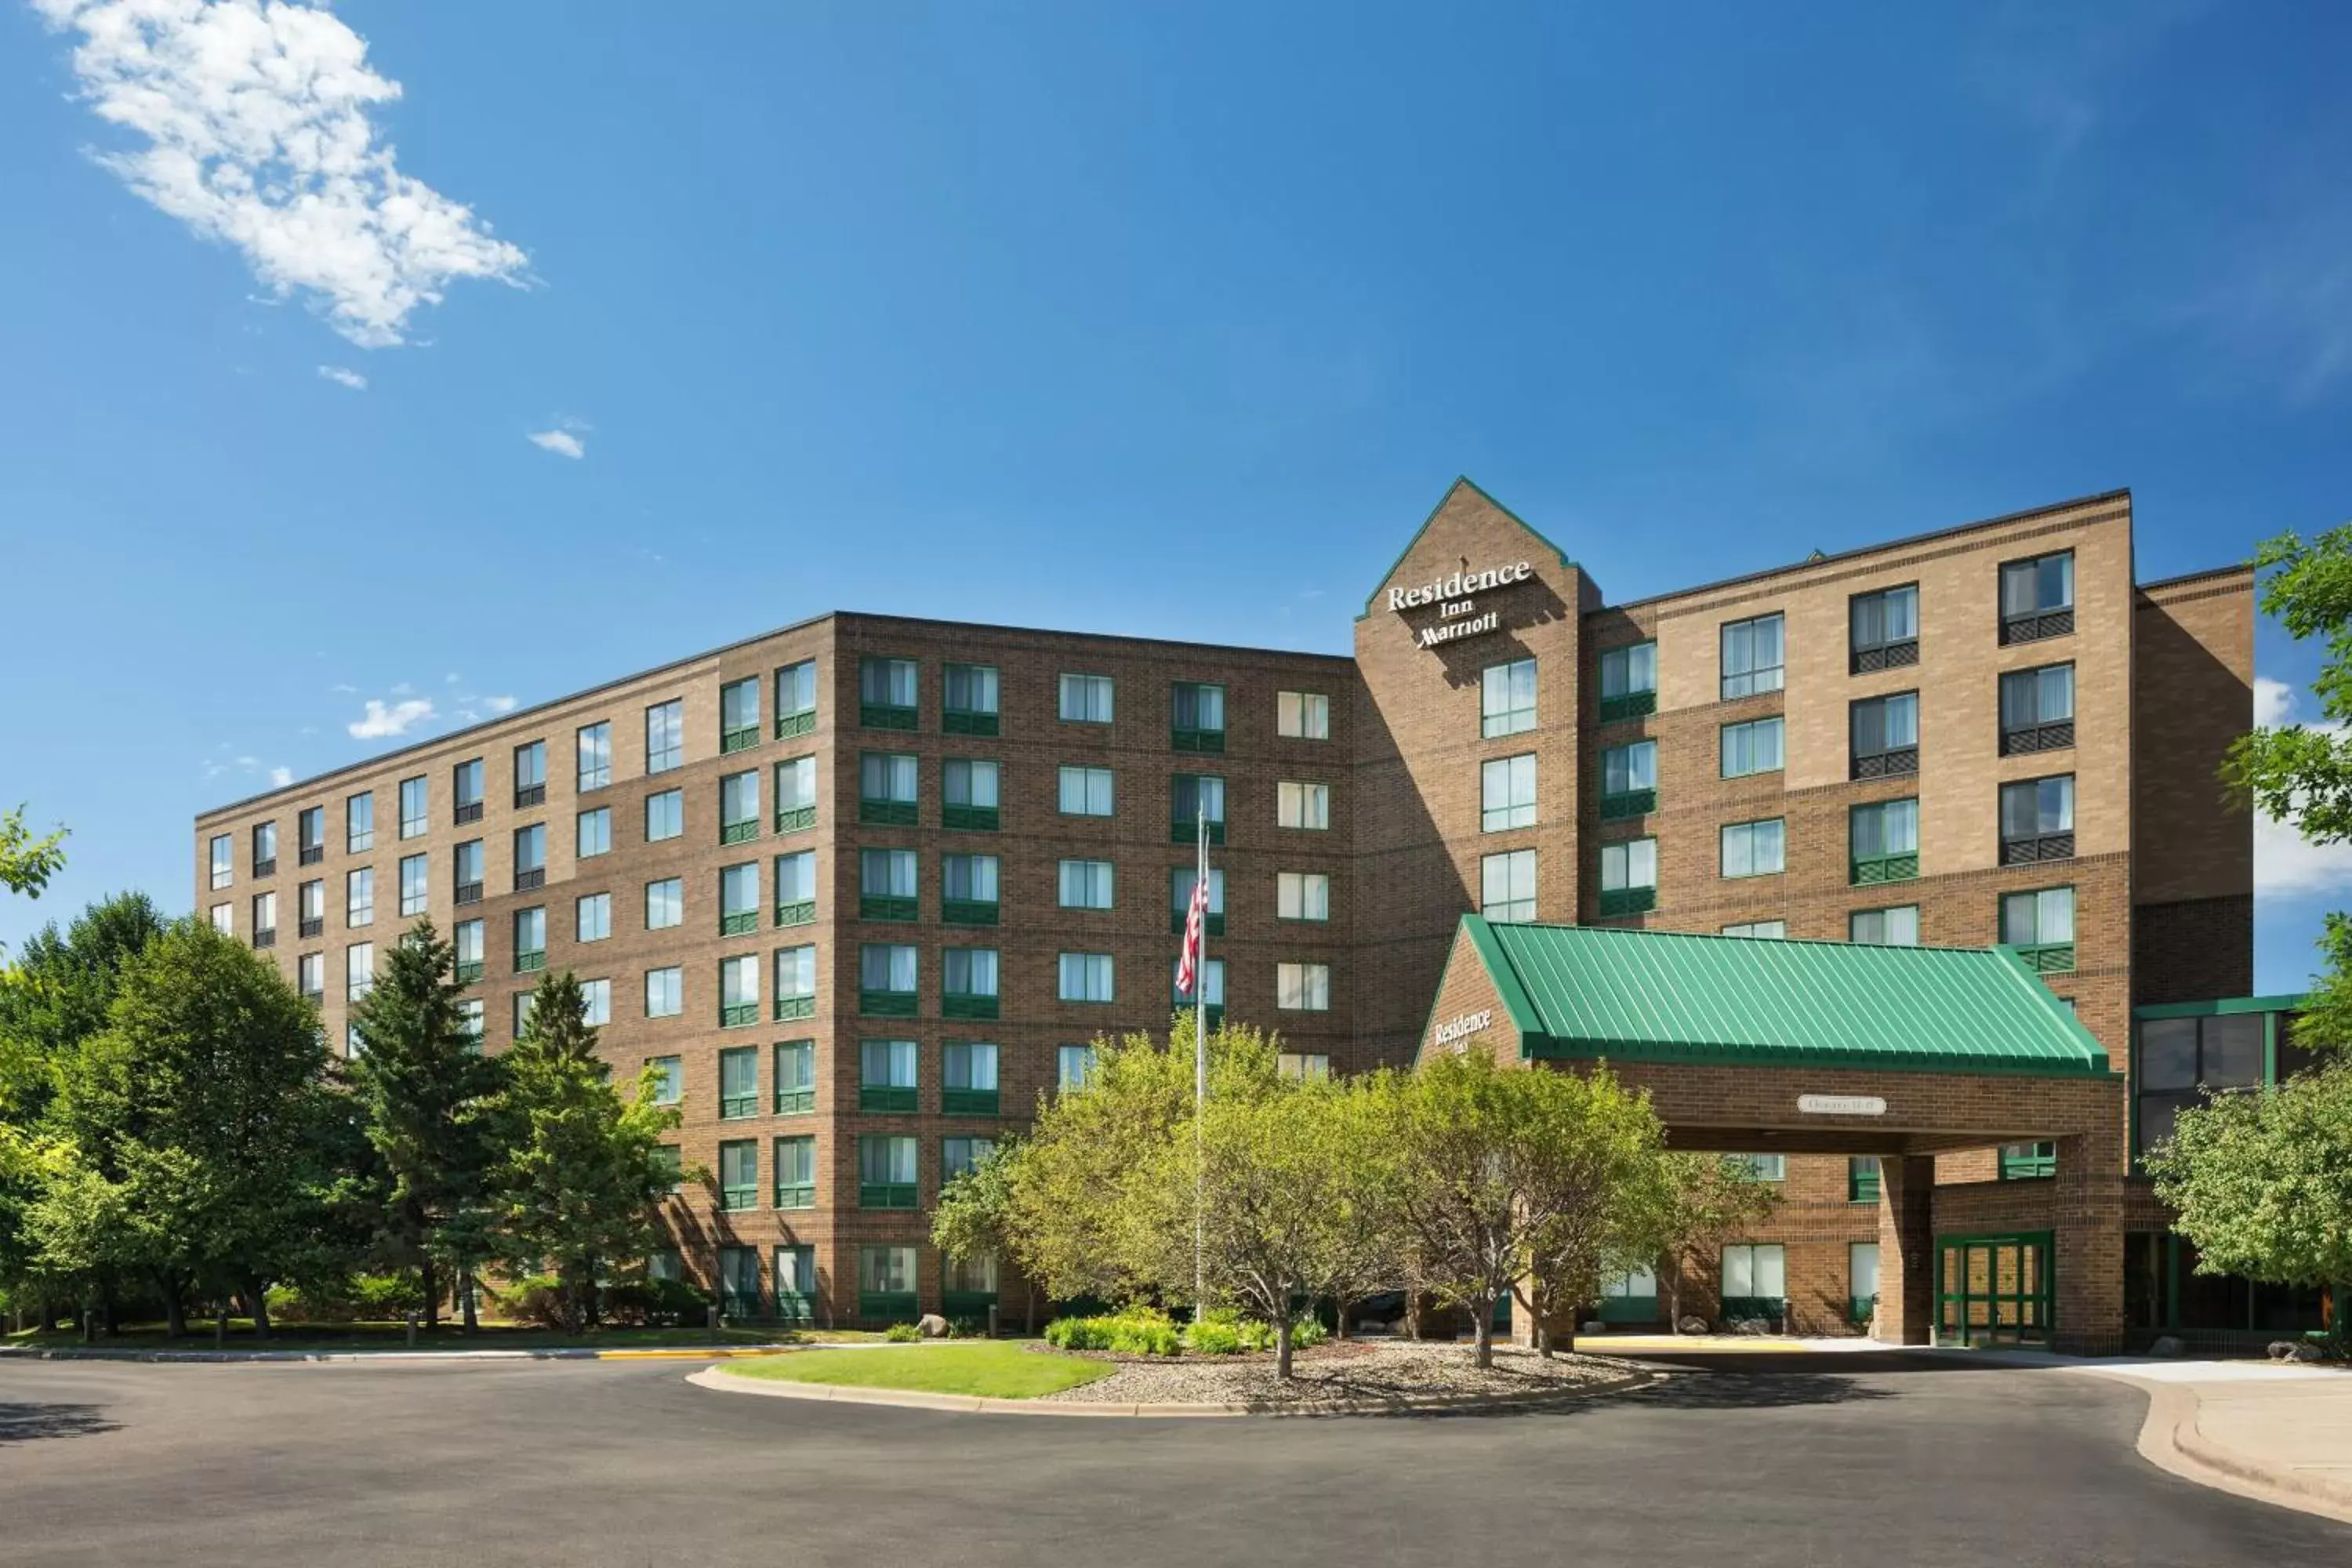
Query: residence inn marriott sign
[(1873, 870)]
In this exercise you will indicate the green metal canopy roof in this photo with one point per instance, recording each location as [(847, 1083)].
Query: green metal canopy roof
[(1645, 996)]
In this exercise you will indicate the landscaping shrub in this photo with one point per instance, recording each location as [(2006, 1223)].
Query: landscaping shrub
[(657, 1304), (387, 1295), (1211, 1336), (902, 1334), (967, 1327), (1223, 1332), (536, 1300), (1138, 1330)]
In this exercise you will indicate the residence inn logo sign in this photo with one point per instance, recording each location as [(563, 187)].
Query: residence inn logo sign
[(1458, 614)]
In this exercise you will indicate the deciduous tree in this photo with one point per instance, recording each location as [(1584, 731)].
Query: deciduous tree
[(1701, 1201)]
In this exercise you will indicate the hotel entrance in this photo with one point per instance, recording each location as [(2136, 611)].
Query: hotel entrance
[(1994, 1290)]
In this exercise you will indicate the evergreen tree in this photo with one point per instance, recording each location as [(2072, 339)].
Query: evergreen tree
[(427, 1090), (580, 1178)]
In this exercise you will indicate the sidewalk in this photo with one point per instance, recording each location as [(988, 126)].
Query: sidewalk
[(2282, 1434)]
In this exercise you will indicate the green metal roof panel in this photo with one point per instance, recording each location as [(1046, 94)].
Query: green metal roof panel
[(1667, 996)]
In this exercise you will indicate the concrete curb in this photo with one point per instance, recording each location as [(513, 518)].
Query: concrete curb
[(551, 1352), (2171, 1441), (717, 1379)]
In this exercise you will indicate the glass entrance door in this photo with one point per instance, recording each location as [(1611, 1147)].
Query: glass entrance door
[(1994, 1290)]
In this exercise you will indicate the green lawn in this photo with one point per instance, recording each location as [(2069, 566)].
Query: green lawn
[(985, 1369), (381, 1336)]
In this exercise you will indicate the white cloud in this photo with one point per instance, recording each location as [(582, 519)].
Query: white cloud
[(255, 116), (2274, 701), (342, 377), (395, 719), (2286, 864), (344, 688), (563, 442), (499, 704), (453, 679), (402, 688), (281, 777)]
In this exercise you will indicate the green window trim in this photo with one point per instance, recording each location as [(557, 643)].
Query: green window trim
[(1617, 901), (797, 1195), (1861, 1309), (795, 1101), (881, 907), (1631, 705), (1187, 831), (1884, 868), (802, 913), (1631, 803), (742, 922), (965, 1004), (966, 722), (2024, 1162), (1862, 1181), (957, 1304), (887, 813), (968, 911), (888, 1003), (1197, 741), (799, 819), (885, 1194), (972, 818), (468, 972), (742, 832), (971, 1102), (888, 1097), (1215, 920), (1742, 1309), (886, 1305), (791, 724), (742, 738), (531, 963), (738, 1015), (2048, 958), (888, 716), (789, 1008)]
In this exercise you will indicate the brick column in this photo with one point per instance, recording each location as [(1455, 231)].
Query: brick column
[(2087, 1213), (1907, 1247)]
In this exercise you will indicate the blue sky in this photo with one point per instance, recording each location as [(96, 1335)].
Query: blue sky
[(1167, 320)]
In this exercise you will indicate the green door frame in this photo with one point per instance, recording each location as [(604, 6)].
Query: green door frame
[(1952, 1325)]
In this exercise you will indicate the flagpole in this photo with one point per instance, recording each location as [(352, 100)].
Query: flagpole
[(1201, 1066)]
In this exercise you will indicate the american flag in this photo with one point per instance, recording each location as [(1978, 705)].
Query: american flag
[(1196, 924)]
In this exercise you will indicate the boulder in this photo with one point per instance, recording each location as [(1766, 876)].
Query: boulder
[(2293, 1349), (1751, 1328), (1691, 1326), (932, 1326), (1593, 1328), (2167, 1345)]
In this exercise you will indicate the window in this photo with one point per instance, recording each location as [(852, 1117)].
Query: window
[(968, 793), (223, 861), (968, 890), (885, 693), (886, 976), (796, 1076), (595, 833), (1629, 779), (1085, 977), (1181, 880), (960, 1155), (886, 788), (1193, 798), (796, 795), (1762, 1167), (1506, 793), (1897, 927), (665, 815), (1752, 654), (664, 736), (593, 746), (2037, 710), (1302, 715), (359, 823), (1212, 987), (1753, 747), (1885, 736), (530, 772), (1302, 896), (796, 888), (664, 903), (739, 1188), (311, 974), (886, 885), (1755, 848), (796, 982), (1073, 1065), (1629, 681), (224, 918), (967, 703), (884, 1273), (1506, 698), (465, 937), (1507, 886), (738, 715), (311, 834), (1629, 877), (796, 698), (886, 1174), (529, 857), (466, 791), (523, 1012), (529, 939), (265, 848), (886, 1075), (414, 811), (1302, 987), (739, 1082), (1086, 884), (968, 982), (968, 1079), (738, 807), (1883, 628), (1085, 700), (664, 993), (1861, 1279), (1754, 1280), (2037, 820), (310, 907), (667, 1154), (412, 885), (1309, 805), (2023, 1162), (739, 899), (1862, 1179), (2041, 926), (2037, 597), (359, 897), (1086, 792), (1197, 717), (466, 862), (1769, 930), (469, 1019), (1302, 1065), (265, 919), (596, 1003), (795, 1189), (1882, 842), (359, 970), (2178, 1061)]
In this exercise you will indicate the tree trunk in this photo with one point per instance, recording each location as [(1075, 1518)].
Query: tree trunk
[(1483, 1329), (1028, 1308), (110, 1316), (258, 1294), (465, 1284), (432, 1297), (1282, 1347), (175, 1311), (1340, 1319), (1674, 1296)]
